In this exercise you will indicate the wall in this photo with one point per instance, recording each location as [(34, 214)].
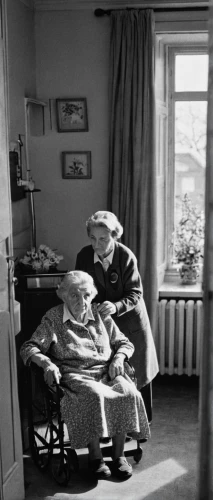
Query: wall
[(21, 83), (72, 60)]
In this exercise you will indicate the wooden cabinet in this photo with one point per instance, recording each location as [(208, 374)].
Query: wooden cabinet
[(36, 294)]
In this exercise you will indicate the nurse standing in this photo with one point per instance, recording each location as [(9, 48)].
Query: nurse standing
[(114, 269)]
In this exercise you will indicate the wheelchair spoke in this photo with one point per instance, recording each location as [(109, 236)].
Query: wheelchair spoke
[(46, 430), (60, 467)]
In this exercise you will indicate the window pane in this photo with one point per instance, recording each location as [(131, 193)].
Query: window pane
[(191, 72), (190, 153)]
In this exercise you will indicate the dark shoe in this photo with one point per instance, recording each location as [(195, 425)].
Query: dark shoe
[(121, 468), (99, 468), (143, 440), (105, 440)]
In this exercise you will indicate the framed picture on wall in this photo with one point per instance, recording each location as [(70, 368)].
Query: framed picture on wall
[(76, 165), (72, 114)]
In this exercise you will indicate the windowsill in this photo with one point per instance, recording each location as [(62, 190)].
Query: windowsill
[(177, 290)]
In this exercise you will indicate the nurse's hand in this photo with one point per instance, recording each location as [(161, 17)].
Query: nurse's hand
[(107, 307), (116, 366)]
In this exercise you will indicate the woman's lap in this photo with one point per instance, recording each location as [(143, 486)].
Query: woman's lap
[(101, 409)]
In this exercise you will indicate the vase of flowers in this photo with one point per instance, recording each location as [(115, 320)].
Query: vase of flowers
[(188, 242), (40, 260)]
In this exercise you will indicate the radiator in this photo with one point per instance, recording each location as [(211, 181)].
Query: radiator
[(180, 330)]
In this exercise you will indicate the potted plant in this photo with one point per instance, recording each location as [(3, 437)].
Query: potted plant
[(188, 241), (40, 260)]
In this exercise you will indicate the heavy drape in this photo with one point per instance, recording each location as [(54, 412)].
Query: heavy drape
[(132, 173)]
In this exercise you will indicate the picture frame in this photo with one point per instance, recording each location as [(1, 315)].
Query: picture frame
[(76, 165), (72, 114)]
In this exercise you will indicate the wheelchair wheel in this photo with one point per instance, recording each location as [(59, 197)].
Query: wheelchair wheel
[(60, 467), (41, 430), (41, 437)]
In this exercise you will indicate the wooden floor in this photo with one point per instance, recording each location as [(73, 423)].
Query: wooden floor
[(168, 469)]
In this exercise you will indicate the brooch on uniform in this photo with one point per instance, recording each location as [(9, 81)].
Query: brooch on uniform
[(113, 278)]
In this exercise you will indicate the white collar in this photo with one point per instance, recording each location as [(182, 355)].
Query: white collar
[(68, 315), (109, 257)]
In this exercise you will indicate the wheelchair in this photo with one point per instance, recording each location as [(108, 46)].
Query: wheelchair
[(48, 439)]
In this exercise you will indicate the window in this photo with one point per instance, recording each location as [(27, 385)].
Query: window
[(188, 107), (181, 78), (187, 83)]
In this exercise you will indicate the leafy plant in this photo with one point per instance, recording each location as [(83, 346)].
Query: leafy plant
[(188, 238)]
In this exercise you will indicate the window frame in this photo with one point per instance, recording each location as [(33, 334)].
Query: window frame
[(172, 97)]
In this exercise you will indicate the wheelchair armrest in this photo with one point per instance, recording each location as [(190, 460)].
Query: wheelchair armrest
[(55, 390), (36, 370)]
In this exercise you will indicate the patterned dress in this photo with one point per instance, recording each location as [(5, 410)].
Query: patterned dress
[(93, 405)]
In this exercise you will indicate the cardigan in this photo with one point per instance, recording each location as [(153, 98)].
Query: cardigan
[(121, 284)]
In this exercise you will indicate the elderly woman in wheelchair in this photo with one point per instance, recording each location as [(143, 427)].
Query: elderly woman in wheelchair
[(83, 350)]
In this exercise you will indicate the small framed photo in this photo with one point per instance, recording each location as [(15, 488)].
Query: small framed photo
[(72, 114), (76, 165)]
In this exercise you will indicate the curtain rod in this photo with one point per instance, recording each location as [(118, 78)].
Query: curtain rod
[(107, 12)]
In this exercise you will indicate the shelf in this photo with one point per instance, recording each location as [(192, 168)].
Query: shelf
[(31, 100), (177, 290), (36, 281)]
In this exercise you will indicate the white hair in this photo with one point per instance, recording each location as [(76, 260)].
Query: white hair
[(73, 279), (105, 219)]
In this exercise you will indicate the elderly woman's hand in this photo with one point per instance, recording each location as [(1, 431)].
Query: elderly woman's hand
[(51, 371), (116, 366), (52, 374), (107, 307)]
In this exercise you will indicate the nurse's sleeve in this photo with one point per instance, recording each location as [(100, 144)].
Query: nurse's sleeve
[(118, 341)]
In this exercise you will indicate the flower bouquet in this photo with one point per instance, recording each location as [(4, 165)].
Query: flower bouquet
[(41, 260)]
